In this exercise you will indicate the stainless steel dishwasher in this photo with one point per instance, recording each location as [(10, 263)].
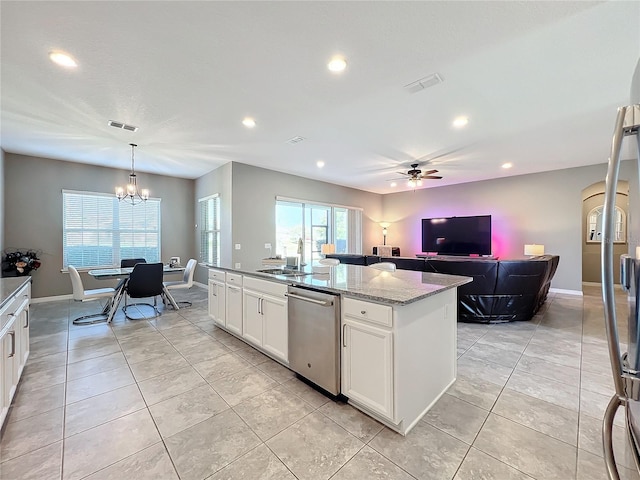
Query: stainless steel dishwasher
[(314, 337)]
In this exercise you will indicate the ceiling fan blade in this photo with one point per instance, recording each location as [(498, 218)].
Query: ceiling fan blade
[(429, 172), (403, 173), (432, 177)]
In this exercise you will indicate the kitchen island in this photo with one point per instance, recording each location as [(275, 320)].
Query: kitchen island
[(397, 334)]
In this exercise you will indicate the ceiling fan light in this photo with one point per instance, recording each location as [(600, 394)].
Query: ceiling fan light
[(412, 183), (419, 182)]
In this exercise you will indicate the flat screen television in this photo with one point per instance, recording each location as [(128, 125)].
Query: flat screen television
[(457, 235)]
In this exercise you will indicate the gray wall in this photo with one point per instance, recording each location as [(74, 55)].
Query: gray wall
[(252, 194), (33, 212), (543, 208)]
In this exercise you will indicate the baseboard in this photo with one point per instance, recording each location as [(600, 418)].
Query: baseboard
[(56, 298), (566, 292)]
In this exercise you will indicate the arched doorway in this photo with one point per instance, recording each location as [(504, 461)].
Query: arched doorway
[(592, 205)]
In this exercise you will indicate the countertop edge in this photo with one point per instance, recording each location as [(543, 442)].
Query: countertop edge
[(355, 294), (8, 280)]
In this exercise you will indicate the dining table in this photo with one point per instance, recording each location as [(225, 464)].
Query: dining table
[(123, 274)]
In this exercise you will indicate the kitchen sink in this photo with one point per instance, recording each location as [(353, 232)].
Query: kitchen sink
[(284, 271)]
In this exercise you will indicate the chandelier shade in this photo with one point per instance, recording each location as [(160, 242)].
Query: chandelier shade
[(131, 193)]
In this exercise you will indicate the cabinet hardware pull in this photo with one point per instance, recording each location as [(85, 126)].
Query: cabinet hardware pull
[(13, 344), (26, 324), (363, 312), (344, 335)]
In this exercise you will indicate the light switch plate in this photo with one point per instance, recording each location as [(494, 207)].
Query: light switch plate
[(238, 266), (267, 245), (237, 246)]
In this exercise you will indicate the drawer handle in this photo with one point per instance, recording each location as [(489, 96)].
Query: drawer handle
[(13, 344), (344, 335), (26, 324), (363, 312)]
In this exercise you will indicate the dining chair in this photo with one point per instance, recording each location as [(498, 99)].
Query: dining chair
[(385, 266), (144, 281), (82, 295), (128, 263), (186, 282)]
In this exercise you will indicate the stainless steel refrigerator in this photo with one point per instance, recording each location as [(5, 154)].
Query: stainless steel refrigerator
[(625, 366)]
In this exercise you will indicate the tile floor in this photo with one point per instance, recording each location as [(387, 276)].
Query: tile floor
[(177, 397)]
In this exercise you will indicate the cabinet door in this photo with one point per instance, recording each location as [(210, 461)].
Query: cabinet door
[(276, 328), (367, 366), (252, 316), (217, 302), (4, 389), (234, 309), (9, 363), (22, 333)]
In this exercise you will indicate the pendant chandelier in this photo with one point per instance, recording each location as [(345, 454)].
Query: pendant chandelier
[(131, 193)]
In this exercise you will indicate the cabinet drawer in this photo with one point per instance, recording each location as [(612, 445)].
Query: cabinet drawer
[(370, 312), (13, 304), (234, 279), (265, 286), (216, 275)]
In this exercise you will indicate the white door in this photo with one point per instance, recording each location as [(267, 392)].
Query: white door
[(276, 327), (252, 316), (234, 309), (367, 366)]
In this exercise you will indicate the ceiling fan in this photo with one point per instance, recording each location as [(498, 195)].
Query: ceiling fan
[(416, 175)]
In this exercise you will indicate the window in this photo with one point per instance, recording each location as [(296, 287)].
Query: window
[(210, 229), (302, 228), (98, 230), (594, 225)]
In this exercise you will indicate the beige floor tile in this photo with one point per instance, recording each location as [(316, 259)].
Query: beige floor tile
[(42, 464), (187, 409), (425, 452), (27, 404), (85, 368), (272, 411), (242, 385), (93, 351), (369, 464), (30, 434), (221, 366), (315, 447), (152, 463), (531, 452), (205, 448), (276, 371), (92, 385), (306, 393), (478, 465), (158, 366), (551, 391), (103, 408), (352, 420), (99, 447), (163, 387), (43, 378), (259, 464), (457, 418)]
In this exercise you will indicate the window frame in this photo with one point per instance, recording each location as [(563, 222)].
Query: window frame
[(114, 230), (212, 257)]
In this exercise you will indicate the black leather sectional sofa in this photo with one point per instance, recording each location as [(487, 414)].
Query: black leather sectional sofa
[(501, 291)]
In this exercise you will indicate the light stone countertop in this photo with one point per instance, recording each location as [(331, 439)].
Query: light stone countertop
[(9, 286), (396, 288)]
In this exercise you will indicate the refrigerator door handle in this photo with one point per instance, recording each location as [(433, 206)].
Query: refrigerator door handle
[(626, 271)]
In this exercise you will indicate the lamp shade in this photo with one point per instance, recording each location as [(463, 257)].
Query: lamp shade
[(327, 248), (534, 249)]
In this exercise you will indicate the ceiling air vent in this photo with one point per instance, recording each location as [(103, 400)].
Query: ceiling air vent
[(294, 140), (423, 83), (124, 126)]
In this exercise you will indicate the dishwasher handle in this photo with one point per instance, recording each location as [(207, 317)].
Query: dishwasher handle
[(327, 303)]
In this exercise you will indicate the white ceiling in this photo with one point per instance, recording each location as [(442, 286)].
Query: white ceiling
[(540, 82)]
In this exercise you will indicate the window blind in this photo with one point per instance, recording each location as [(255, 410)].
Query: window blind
[(210, 230)]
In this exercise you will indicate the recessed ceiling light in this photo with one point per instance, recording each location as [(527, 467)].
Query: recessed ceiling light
[(460, 122), (393, 184), (320, 163), (337, 64), (62, 59), (507, 165), (249, 122)]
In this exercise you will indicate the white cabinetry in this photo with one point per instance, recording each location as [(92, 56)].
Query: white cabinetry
[(398, 360), (265, 316), (234, 303), (217, 303), (14, 345), (367, 355)]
